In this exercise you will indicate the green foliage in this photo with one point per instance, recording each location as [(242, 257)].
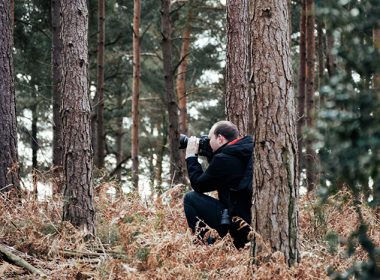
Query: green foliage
[(349, 119)]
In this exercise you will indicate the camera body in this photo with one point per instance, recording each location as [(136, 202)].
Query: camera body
[(204, 145)]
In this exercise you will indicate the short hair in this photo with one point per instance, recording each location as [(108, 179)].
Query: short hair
[(227, 129)]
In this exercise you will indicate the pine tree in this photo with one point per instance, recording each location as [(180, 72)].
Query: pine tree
[(275, 195), (76, 114), (9, 176), (135, 93)]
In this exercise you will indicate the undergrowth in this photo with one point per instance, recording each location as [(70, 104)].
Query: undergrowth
[(150, 240)]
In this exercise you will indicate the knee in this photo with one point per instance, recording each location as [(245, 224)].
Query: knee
[(190, 197)]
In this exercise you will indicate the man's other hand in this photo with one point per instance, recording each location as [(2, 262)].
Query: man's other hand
[(192, 147)]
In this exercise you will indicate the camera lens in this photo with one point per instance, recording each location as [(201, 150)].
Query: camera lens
[(182, 141)]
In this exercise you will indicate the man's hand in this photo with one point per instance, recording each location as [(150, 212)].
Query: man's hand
[(192, 146)]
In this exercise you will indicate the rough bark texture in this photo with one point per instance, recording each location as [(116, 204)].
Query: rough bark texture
[(176, 168), (77, 162), (301, 84), (135, 93), (181, 76), (57, 94), (100, 85), (275, 195), (311, 156), (238, 98), (321, 39), (9, 171)]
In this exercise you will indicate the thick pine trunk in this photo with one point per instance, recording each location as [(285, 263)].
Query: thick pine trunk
[(301, 85), (9, 171), (57, 95), (176, 168), (275, 195), (238, 98), (100, 86), (135, 93), (321, 39), (311, 156), (76, 113)]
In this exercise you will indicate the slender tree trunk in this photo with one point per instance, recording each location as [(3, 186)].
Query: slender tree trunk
[(311, 156), (135, 93), (275, 195), (238, 97), (301, 85), (376, 86), (57, 95), (181, 76), (330, 59), (9, 170), (321, 39), (176, 168), (100, 85), (76, 113), (160, 156), (34, 143), (119, 135)]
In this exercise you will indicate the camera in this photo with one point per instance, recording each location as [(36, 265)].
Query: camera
[(204, 145)]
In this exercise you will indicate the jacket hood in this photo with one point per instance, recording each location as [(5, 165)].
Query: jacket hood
[(241, 147)]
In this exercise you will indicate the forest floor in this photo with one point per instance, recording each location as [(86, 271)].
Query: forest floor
[(140, 240)]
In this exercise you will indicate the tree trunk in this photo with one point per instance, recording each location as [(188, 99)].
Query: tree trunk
[(181, 76), (238, 97), (9, 170), (119, 135), (311, 156), (34, 143), (57, 95), (376, 86), (160, 155), (135, 93), (321, 39), (76, 113), (330, 59), (176, 168), (275, 195), (301, 85), (100, 85)]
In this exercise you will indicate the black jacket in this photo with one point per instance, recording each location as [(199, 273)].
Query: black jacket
[(224, 173)]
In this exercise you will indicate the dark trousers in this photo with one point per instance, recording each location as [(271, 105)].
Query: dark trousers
[(199, 206)]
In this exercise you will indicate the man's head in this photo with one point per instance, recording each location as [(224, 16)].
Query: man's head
[(221, 133)]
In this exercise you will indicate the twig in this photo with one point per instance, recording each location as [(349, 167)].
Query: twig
[(115, 255), (10, 257)]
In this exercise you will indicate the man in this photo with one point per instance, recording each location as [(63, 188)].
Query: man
[(230, 174)]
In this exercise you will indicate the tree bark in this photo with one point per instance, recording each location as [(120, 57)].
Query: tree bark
[(100, 85), (238, 97), (311, 156), (275, 194), (135, 93), (57, 94), (301, 85), (176, 168), (76, 113), (181, 76), (9, 170), (34, 143)]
